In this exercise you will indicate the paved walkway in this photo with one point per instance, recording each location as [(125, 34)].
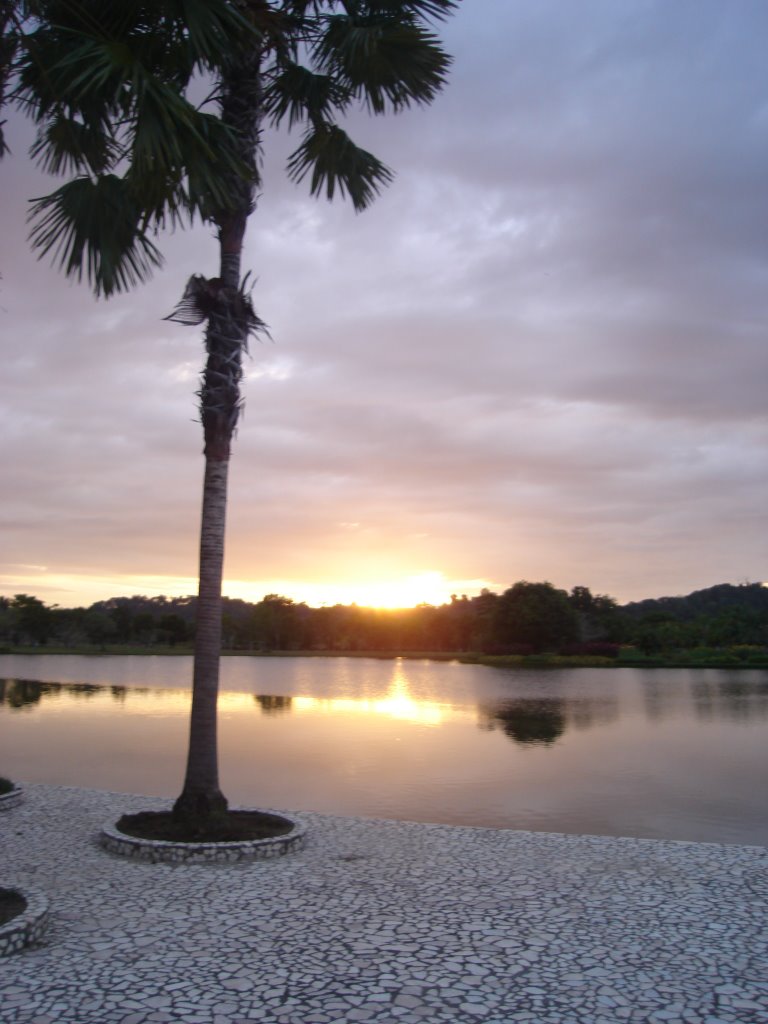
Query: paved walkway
[(385, 922)]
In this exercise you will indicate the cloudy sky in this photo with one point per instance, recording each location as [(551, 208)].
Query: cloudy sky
[(541, 355)]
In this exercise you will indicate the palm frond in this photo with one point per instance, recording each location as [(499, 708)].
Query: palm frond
[(62, 67), (437, 10), (197, 302), (300, 94), (9, 40), (94, 52), (337, 163), (172, 38), (254, 325), (208, 28), (107, 85), (93, 227), (388, 63), (68, 144), (172, 140)]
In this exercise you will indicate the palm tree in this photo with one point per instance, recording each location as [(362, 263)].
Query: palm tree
[(108, 85)]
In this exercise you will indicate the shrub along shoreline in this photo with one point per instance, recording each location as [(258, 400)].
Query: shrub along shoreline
[(738, 656)]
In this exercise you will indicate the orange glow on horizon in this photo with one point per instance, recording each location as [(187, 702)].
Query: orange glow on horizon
[(406, 592), (69, 590), (429, 587)]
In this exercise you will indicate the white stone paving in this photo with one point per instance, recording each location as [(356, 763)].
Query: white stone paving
[(384, 922)]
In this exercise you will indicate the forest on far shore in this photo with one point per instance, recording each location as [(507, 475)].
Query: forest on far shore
[(724, 624)]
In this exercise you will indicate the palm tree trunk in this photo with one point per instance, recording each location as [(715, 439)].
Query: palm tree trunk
[(226, 337), (201, 797)]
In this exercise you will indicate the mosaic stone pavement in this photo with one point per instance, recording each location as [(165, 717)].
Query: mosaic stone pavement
[(384, 922)]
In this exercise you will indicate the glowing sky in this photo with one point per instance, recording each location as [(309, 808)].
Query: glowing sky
[(540, 355)]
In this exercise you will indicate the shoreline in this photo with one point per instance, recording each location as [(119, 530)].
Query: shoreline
[(530, 661)]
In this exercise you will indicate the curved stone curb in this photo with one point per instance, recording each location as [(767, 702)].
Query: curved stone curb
[(12, 798), (158, 850), (28, 927)]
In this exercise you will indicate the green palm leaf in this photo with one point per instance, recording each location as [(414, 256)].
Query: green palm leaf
[(95, 227), (68, 144), (439, 10), (389, 64), (9, 40), (298, 94), (172, 140), (337, 163)]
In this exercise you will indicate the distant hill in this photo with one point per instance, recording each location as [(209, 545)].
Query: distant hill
[(709, 602)]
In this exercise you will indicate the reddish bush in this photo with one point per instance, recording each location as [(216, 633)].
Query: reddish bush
[(595, 649)]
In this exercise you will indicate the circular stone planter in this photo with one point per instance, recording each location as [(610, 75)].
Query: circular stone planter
[(12, 798), (29, 926), (160, 850)]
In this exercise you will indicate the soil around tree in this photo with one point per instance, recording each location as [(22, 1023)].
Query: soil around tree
[(232, 827), (12, 904)]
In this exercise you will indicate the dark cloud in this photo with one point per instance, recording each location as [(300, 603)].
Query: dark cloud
[(541, 353)]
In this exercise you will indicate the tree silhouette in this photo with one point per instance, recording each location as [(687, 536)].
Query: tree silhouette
[(108, 86)]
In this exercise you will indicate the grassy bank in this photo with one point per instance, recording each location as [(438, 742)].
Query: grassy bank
[(629, 657), (632, 657)]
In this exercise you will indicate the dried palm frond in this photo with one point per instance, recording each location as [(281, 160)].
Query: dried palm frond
[(203, 297), (198, 301), (253, 323)]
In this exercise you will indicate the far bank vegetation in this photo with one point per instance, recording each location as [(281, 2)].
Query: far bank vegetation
[(528, 623)]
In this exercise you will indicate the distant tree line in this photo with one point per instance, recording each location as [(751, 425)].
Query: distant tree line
[(527, 618)]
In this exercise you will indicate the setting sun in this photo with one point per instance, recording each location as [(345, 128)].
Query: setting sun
[(429, 587), (405, 592)]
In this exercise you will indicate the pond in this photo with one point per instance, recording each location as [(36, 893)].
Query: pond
[(677, 754)]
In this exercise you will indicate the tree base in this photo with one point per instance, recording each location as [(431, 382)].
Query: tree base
[(12, 904), (228, 827), (23, 919), (200, 810)]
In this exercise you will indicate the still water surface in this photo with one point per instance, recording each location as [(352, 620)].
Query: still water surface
[(678, 754)]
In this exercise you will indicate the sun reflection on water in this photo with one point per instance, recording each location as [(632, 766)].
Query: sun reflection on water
[(396, 703)]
